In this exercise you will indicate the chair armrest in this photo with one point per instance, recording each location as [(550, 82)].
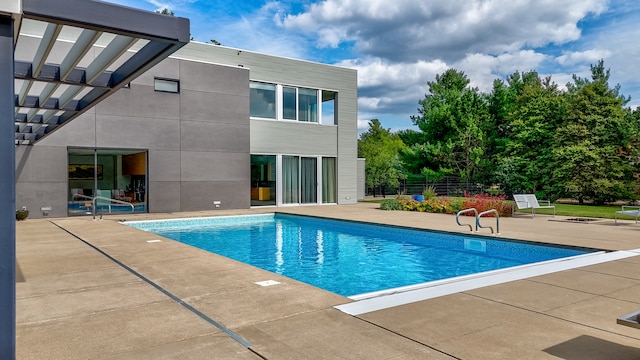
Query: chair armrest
[(547, 201), (625, 207)]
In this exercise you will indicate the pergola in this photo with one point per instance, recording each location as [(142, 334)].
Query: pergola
[(59, 58)]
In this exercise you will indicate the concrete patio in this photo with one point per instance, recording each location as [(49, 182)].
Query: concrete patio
[(99, 290)]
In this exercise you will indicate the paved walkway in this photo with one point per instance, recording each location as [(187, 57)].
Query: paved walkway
[(101, 290)]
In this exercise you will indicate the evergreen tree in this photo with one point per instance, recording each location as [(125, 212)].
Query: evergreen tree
[(381, 150), (451, 117), (590, 143), (537, 110)]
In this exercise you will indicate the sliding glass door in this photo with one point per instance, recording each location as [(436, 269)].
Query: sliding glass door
[(263, 180), (111, 180), (299, 179), (293, 180)]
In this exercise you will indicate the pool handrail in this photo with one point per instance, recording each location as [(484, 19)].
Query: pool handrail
[(489, 226), (464, 212), (74, 197), (93, 202)]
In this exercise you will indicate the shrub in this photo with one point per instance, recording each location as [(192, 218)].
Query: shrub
[(390, 204), (438, 205), (484, 202), (22, 214), (456, 205), (429, 193), (408, 204), (446, 205)]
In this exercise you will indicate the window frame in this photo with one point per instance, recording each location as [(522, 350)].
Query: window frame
[(277, 101), (157, 80), (279, 104)]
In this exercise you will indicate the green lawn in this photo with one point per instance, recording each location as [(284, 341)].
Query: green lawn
[(591, 211)]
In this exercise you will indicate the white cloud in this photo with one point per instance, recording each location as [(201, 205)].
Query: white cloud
[(363, 125), (483, 69), (389, 88), (588, 56), (398, 46), (407, 30), (619, 38), (394, 89)]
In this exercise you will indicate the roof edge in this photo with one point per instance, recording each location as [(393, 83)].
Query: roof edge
[(114, 18)]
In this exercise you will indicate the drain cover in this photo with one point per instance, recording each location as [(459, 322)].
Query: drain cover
[(579, 219)]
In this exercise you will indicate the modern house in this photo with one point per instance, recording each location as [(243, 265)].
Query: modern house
[(209, 127), (114, 109)]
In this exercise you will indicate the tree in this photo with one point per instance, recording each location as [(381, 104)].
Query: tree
[(380, 148), (411, 137), (165, 11), (538, 108), (501, 104), (451, 117), (590, 144), (168, 12)]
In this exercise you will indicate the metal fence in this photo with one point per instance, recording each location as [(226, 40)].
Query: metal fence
[(449, 186)]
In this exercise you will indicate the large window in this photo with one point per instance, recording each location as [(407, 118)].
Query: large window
[(281, 102), (289, 103), (308, 105), (329, 107), (262, 98), (106, 181)]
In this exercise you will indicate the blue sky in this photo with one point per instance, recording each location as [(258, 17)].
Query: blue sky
[(397, 46)]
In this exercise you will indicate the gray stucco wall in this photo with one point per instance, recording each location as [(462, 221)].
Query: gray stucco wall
[(198, 141)]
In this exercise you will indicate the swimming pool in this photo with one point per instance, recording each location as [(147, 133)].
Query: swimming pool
[(350, 258)]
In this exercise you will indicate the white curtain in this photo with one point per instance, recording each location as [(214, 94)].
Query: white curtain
[(290, 180), (328, 180), (308, 179)]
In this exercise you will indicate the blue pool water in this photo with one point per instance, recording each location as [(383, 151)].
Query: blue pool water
[(350, 258)]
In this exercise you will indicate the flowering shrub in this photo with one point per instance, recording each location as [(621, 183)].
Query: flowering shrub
[(484, 202), (446, 205)]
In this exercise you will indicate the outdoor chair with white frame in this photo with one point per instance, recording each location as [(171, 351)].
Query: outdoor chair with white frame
[(629, 211), (529, 201)]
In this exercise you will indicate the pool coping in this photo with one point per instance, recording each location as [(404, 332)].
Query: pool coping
[(385, 299)]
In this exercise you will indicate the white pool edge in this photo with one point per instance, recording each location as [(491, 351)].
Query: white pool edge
[(385, 299)]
